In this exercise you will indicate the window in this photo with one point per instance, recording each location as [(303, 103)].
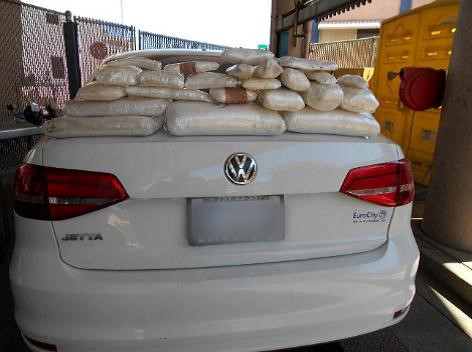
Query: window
[(367, 33)]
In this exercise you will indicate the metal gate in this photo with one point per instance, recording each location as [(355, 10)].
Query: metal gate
[(32, 56), (99, 39), (158, 41)]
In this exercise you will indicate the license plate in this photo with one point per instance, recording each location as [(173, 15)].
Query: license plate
[(235, 220)]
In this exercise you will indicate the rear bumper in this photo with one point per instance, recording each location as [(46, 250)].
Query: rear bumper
[(240, 308)]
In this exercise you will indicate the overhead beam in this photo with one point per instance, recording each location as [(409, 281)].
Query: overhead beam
[(316, 10)]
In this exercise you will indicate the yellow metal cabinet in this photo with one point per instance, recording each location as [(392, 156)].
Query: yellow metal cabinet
[(389, 84), (439, 22), (392, 123), (400, 32), (424, 132), (434, 50), (423, 38)]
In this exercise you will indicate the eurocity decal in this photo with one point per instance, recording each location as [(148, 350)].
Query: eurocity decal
[(369, 216)]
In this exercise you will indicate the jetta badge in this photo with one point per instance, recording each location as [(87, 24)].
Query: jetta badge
[(240, 168)]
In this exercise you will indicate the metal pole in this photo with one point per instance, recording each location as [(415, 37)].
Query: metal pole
[(71, 43), (121, 7)]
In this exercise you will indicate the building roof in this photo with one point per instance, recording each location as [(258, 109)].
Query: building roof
[(353, 24)]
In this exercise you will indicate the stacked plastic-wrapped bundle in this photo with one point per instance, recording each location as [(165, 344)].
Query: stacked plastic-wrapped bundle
[(102, 108), (257, 95), (328, 109), (234, 110)]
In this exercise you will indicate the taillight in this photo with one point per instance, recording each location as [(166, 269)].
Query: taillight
[(389, 184), (48, 193)]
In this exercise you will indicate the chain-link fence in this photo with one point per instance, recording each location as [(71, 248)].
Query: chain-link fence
[(158, 41), (99, 39), (35, 49), (14, 150), (354, 53), (32, 56)]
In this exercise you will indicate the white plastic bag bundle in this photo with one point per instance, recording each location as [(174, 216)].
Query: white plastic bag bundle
[(161, 79), (358, 100), (189, 67), (137, 61), (168, 93), (209, 80), (321, 77), (261, 83), (332, 122), (97, 91), (232, 95), (246, 56), (117, 76), (191, 118), (121, 107), (295, 80), (323, 97), (354, 81), (66, 127), (271, 69), (307, 64), (241, 71), (281, 100)]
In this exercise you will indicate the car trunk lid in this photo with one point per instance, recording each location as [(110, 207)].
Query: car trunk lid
[(162, 174)]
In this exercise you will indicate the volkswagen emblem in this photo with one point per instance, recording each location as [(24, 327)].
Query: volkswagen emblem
[(240, 168)]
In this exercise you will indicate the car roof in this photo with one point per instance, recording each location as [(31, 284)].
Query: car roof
[(167, 56)]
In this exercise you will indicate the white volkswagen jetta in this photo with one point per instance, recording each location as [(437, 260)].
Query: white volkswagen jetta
[(166, 243)]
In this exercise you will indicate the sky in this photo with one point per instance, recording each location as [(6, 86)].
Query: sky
[(241, 23)]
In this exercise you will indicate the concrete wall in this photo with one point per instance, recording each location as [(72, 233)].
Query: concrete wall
[(418, 3), (448, 210)]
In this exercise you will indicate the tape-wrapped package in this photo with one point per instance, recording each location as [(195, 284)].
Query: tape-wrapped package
[(241, 71), (358, 100), (354, 81), (189, 67), (208, 80), (338, 121), (236, 95), (307, 64), (246, 56), (192, 118), (261, 83), (295, 80), (137, 61), (281, 100), (271, 69), (97, 91), (67, 127), (321, 77), (323, 97), (168, 93), (121, 107), (161, 79), (117, 76)]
